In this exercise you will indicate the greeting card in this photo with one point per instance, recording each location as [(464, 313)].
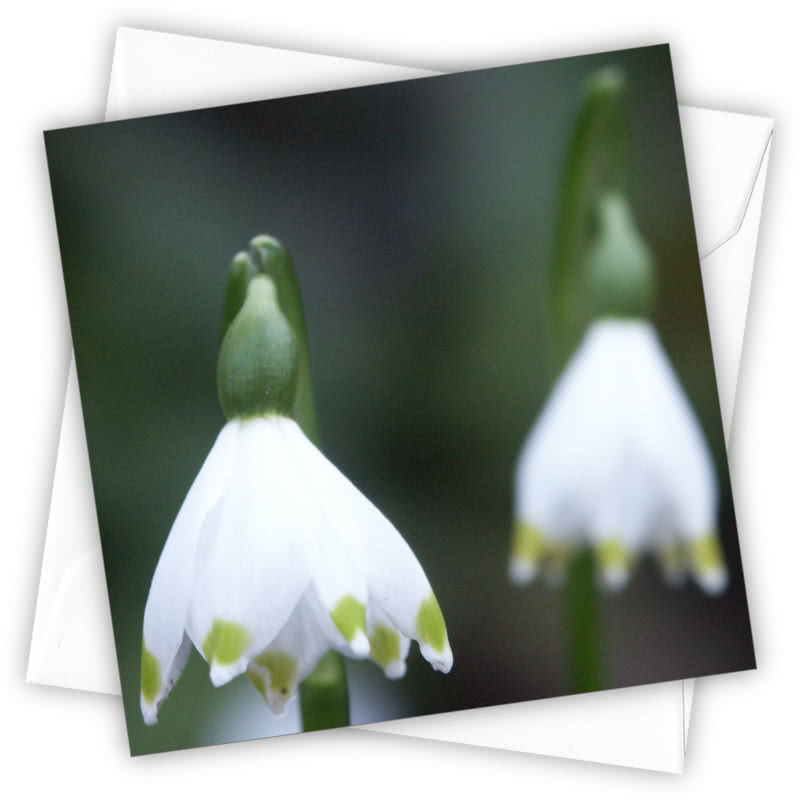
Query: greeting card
[(483, 290)]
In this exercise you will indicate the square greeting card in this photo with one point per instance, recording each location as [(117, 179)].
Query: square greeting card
[(408, 373)]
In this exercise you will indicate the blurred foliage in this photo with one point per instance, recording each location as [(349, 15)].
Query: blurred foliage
[(420, 216)]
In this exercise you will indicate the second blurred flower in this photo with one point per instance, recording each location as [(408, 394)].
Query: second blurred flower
[(617, 459)]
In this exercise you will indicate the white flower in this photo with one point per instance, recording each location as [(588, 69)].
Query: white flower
[(274, 559), (617, 460)]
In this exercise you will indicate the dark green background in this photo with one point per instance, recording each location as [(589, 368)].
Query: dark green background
[(421, 218)]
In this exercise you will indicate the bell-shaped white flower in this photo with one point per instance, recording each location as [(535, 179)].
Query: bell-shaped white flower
[(617, 460), (276, 558)]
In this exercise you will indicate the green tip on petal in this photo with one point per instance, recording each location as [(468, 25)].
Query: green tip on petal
[(226, 642), (350, 617), (151, 675), (708, 563), (282, 670), (527, 542), (257, 366), (706, 552), (612, 553), (527, 551), (430, 625), (385, 646), (614, 560)]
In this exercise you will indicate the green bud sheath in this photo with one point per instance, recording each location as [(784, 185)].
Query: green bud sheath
[(236, 292), (270, 257), (620, 275), (257, 366)]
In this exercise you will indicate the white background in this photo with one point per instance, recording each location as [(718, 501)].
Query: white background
[(55, 65)]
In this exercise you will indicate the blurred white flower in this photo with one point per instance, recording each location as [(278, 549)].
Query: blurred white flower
[(617, 461), (275, 558)]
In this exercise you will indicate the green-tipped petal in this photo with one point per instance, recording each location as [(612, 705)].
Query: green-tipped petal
[(527, 552), (613, 562), (275, 675), (432, 635), (350, 618), (388, 648), (151, 676), (224, 649), (708, 563)]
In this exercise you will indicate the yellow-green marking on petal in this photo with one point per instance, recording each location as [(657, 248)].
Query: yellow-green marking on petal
[(350, 617), (527, 542), (282, 671), (151, 675), (226, 642), (384, 645), (706, 553), (611, 553), (430, 624)]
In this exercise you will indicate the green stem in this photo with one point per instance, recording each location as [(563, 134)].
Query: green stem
[(324, 701), (324, 698), (597, 160), (583, 615)]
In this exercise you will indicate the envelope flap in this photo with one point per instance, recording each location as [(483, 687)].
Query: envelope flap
[(157, 73), (723, 162)]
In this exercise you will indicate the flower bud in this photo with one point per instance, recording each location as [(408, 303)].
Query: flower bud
[(620, 275), (257, 366)]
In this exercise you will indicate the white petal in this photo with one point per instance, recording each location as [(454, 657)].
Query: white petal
[(165, 648), (394, 578), (251, 567)]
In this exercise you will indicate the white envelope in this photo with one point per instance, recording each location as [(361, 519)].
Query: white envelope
[(72, 642)]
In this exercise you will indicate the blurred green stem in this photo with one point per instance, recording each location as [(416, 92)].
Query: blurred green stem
[(583, 615), (597, 160), (324, 698)]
